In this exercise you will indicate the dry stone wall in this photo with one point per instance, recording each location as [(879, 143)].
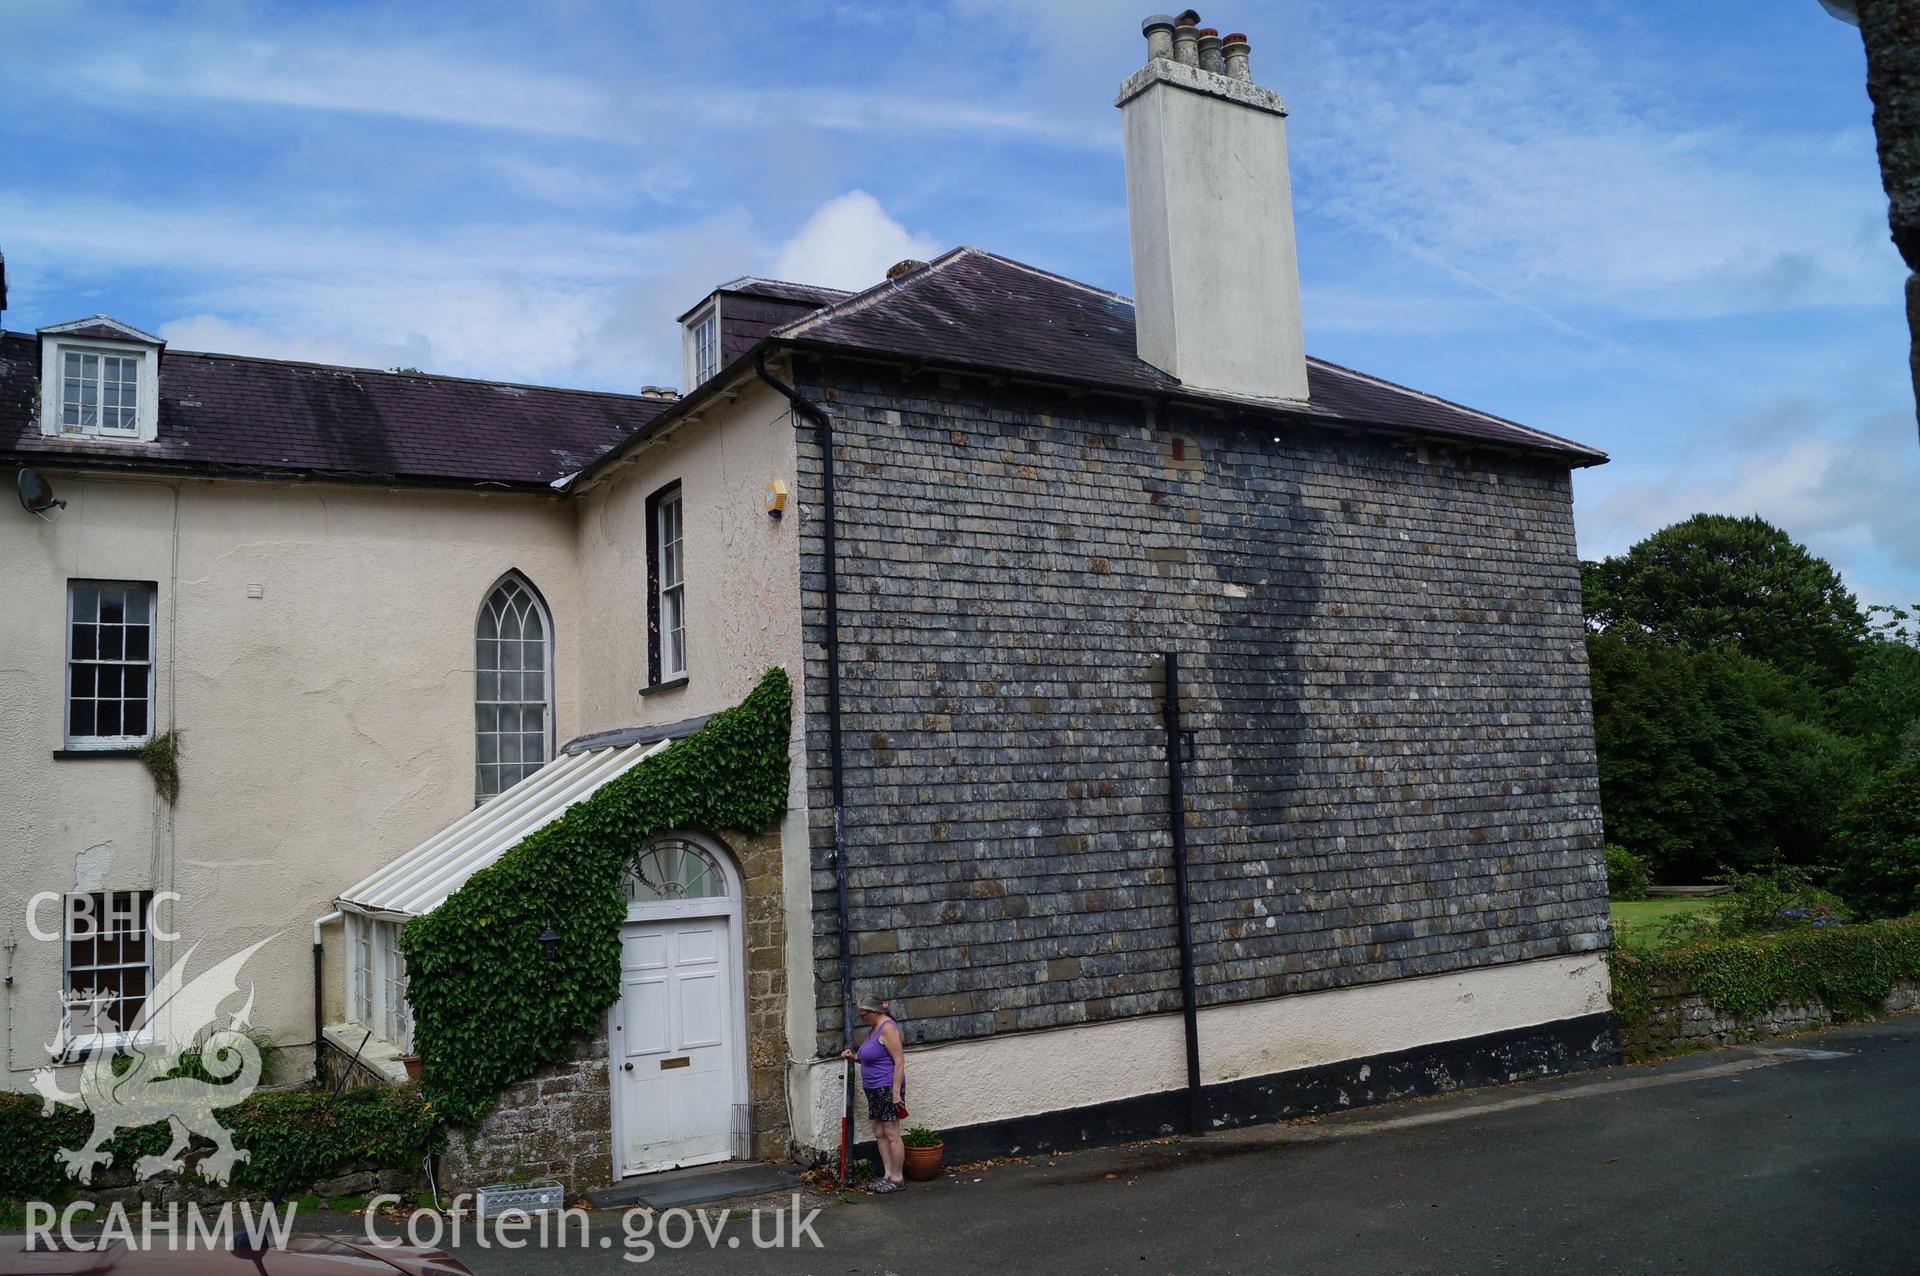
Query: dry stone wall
[(1683, 1019)]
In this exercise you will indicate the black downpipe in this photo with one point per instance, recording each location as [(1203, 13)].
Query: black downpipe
[(319, 1032), (823, 433), (1177, 822)]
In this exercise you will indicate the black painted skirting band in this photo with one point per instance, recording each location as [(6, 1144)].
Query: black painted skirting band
[(1565, 1045)]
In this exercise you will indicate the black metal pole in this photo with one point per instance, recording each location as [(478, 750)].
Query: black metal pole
[(319, 1030), (1177, 821), (823, 433)]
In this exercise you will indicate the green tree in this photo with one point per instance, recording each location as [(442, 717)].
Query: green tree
[(1878, 843), (1716, 581), (1881, 703), (1685, 770), (1703, 764)]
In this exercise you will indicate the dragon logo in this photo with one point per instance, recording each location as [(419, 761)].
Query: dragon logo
[(174, 1069)]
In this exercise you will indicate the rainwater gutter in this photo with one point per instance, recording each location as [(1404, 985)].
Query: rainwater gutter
[(823, 433), (319, 1026)]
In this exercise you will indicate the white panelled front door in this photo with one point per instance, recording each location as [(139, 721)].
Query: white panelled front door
[(674, 1043)]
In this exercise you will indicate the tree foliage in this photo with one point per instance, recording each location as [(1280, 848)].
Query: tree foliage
[(1719, 581), (1878, 843), (1742, 699)]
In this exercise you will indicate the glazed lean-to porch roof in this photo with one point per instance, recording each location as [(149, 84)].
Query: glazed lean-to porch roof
[(420, 881)]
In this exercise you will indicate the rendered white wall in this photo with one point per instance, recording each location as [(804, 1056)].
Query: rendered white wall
[(995, 1078), (326, 726), (743, 605)]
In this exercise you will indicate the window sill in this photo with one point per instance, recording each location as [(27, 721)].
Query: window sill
[(111, 751), (379, 1056), (80, 1049), (671, 684)]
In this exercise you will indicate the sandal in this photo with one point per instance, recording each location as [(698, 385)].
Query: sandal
[(881, 1187)]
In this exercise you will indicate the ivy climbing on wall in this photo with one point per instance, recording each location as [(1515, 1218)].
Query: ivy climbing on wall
[(489, 1007), (1848, 969)]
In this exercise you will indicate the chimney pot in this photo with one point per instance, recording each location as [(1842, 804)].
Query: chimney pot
[(1210, 59), (1235, 49), (1186, 39), (1159, 32)]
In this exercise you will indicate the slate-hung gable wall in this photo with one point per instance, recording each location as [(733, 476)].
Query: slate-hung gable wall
[(1392, 771)]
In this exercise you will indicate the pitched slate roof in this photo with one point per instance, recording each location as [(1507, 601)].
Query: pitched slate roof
[(229, 414), (977, 311), (782, 290), (752, 308), (967, 310), (812, 296)]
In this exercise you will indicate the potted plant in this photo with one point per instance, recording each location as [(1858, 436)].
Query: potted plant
[(411, 1062), (924, 1148)]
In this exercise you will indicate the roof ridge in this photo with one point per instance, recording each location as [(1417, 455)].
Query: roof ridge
[(874, 293), (1484, 415), (783, 283), (1081, 284), (71, 325), (429, 376)]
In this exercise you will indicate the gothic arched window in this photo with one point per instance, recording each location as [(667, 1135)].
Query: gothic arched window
[(513, 687)]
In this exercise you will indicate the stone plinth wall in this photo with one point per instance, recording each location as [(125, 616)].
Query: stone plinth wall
[(556, 1124), (1681, 1019)]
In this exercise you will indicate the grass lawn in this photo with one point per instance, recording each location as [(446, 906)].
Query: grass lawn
[(1636, 923)]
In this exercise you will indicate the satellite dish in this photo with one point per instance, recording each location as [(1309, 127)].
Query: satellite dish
[(36, 494)]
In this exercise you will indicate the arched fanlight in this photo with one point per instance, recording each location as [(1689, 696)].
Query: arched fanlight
[(673, 868)]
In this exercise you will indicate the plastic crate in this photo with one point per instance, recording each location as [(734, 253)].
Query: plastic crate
[(530, 1198)]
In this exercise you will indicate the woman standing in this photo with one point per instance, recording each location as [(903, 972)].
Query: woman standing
[(883, 1076)]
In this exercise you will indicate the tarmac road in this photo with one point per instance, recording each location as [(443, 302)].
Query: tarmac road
[(1798, 1156), (1755, 1160)]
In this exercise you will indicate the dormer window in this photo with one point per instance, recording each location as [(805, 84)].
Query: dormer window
[(99, 392), (706, 346), (99, 378)]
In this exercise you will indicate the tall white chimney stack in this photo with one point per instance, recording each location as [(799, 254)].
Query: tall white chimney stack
[(1216, 286)]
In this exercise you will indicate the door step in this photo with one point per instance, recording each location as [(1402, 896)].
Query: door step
[(698, 1186)]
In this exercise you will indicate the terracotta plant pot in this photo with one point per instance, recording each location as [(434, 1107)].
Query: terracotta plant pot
[(923, 1164), (411, 1062)]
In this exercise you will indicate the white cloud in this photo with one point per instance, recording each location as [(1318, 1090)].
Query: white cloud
[(643, 112), (593, 186), (332, 77), (1516, 154), (849, 242), (219, 335), (1848, 496), (544, 303)]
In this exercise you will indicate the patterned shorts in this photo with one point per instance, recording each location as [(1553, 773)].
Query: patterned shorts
[(880, 1103)]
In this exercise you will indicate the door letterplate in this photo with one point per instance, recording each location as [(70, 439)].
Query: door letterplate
[(681, 1062)]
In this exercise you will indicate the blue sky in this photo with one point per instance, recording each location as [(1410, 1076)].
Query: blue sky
[(1658, 229)]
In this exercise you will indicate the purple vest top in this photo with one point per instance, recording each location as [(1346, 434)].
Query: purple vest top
[(876, 1065)]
